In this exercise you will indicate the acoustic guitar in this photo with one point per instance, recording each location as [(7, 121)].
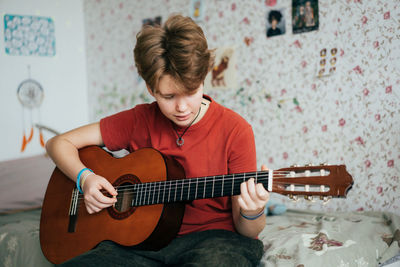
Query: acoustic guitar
[(152, 193)]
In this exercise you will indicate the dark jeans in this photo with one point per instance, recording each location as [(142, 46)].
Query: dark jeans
[(208, 248)]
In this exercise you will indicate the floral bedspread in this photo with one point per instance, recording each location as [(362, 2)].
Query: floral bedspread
[(19, 240), (304, 238), (295, 238)]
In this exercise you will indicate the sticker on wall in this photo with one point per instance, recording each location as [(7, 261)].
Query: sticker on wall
[(327, 62), (29, 36), (30, 94), (270, 2), (223, 75), (305, 15), (152, 21), (197, 10), (275, 22)]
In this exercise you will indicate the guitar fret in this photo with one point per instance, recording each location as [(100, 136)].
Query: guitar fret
[(169, 191), (136, 195), (141, 195), (153, 193), (150, 193), (163, 198), (176, 189), (141, 191), (222, 191), (188, 190), (158, 195), (145, 192), (204, 190), (197, 183), (212, 194), (183, 182), (233, 182)]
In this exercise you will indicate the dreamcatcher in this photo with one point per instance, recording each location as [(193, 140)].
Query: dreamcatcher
[(30, 94)]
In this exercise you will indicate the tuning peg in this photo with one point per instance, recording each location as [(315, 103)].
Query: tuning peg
[(294, 165), (323, 164), (309, 165), (325, 199), (309, 198), (293, 197)]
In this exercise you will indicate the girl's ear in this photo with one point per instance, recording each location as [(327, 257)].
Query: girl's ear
[(149, 89)]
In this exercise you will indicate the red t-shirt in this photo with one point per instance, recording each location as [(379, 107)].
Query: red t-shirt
[(222, 142)]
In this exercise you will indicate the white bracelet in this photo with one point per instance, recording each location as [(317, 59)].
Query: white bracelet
[(84, 178)]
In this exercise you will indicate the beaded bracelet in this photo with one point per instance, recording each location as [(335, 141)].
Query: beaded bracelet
[(78, 179), (252, 217)]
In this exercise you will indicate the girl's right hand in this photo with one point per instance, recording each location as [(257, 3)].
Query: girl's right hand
[(95, 200)]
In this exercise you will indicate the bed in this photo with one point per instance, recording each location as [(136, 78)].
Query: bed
[(294, 238)]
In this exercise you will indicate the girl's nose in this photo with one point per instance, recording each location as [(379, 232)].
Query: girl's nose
[(181, 105)]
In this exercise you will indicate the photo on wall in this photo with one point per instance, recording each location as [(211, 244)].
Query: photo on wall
[(275, 22), (327, 62), (305, 15), (197, 10), (223, 74), (152, 21)]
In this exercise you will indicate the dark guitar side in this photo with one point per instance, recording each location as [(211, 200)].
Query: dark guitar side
[(148, 227)]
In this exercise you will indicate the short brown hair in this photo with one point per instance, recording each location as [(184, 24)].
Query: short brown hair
[(178, 49)]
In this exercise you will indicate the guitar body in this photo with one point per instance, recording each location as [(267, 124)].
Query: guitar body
[(64, 236)]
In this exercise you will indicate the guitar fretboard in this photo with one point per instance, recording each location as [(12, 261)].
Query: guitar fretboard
[(190, 189)]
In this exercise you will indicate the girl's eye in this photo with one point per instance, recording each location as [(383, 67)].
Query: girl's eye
[(168, 96)]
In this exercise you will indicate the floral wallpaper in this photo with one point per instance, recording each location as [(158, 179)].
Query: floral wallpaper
[(351, 117)]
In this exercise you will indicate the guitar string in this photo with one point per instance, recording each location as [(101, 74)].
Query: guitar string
[(176, 185), (145, 197), (152, 191), (202, 179), (225, 177), (162, 185)]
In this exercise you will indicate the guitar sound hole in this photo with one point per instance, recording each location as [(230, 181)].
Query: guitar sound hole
[(123, 207), (124, 198)]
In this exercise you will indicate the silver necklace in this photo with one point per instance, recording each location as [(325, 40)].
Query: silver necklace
[(179, 140)]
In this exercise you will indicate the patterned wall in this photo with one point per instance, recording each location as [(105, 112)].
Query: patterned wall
[(351, 117)]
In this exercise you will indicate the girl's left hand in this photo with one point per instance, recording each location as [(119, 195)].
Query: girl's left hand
[(253, 197)]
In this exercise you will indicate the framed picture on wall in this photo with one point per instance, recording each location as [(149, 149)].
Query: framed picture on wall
[(276, 22), (29, 35), (152, 21), (223, 75), (305, 15)]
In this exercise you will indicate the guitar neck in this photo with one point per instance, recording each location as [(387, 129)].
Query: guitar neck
[(191, 189)]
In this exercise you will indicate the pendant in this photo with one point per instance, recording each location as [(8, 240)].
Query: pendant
[(180, 141)]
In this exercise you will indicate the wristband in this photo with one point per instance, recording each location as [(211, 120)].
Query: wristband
[(252, 217), (83, 179), (78, 185)]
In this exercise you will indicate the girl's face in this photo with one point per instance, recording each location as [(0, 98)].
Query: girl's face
[(177, 105)]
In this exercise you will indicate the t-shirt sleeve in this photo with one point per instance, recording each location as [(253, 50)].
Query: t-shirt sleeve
[(116, 130), (242, 151)]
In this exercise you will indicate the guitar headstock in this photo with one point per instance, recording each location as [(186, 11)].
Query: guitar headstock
[(323, 181)]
